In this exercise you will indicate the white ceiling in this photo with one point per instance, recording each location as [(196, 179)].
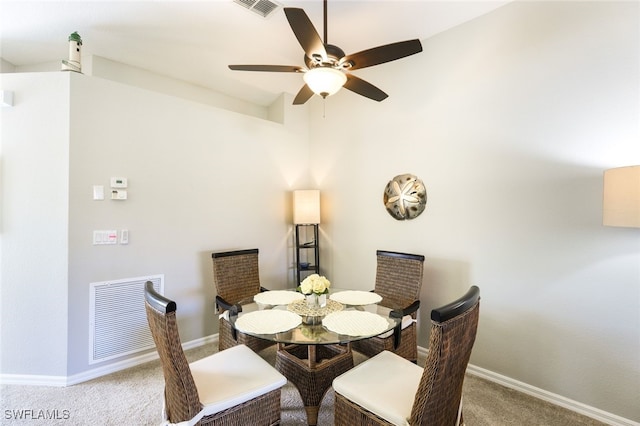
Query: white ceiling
[(194, 41)]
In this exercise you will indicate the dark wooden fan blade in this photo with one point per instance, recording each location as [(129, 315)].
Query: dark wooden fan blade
[(303, 95), (382, 54), (305, 32), (267, 68), (361, 87)]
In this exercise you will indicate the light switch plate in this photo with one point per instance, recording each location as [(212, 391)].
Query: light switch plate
[(105, 237), (98, 192)]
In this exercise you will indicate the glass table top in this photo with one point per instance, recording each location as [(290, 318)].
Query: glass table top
[(310, 325)]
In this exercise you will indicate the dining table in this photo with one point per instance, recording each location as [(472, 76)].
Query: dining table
[(314, 334)]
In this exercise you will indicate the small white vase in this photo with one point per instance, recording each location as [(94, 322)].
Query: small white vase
[(316, 300), (322, 300)]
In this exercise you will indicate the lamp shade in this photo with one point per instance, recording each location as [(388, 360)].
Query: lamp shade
[(306, 206), (621, 197), (324, 81)]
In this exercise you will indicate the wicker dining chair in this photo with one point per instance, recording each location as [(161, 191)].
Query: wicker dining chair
[(236, 277), (398, 281), (389, 390), (233, 387)]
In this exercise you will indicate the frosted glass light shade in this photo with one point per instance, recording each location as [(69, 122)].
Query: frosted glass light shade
[(621, 197), (306, 206), (324, 81)]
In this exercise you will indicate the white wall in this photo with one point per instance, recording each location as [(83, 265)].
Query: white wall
[(33, 233), (201, 179), (510, 121), (97, 66)]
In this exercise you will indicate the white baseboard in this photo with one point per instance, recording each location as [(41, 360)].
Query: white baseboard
[(578, 407), (33, 380), (61, 381)]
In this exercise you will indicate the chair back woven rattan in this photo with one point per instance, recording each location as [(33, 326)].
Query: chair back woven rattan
[(236, 277), (181, 396), (398, 277), (236, 274), (181, 399), (453, 333), (398, 281)]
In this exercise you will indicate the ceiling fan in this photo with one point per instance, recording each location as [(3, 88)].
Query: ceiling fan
[(327, 67)]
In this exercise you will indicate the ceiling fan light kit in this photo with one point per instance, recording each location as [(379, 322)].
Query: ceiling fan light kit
[(328, 68), (324, 81)]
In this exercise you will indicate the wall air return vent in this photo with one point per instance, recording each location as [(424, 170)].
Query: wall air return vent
[(118, 319), (263, 8)]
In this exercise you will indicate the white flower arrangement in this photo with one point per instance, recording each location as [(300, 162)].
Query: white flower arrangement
[(314, 283)]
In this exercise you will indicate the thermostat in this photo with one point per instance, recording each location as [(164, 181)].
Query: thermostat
[(118, 182)]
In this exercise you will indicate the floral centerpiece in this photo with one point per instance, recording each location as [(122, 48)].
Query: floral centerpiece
[(314, 283), (315, 287)]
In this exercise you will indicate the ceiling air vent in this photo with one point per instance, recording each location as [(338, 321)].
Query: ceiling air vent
[(263, 8)]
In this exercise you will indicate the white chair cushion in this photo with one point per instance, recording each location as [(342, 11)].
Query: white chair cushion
[(407, 320), (386, 385), (233, 376)]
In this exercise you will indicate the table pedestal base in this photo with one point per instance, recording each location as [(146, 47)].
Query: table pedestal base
[(312, 368)]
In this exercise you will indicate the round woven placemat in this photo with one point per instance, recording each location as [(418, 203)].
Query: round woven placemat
[(300, 307), (356, 298), (356, 323), (277, 297), (267, 321)]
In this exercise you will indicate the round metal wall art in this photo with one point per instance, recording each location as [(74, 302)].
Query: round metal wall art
[(405, 197)]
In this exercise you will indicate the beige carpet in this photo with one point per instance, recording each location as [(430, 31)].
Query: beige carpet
[(134, 397)]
